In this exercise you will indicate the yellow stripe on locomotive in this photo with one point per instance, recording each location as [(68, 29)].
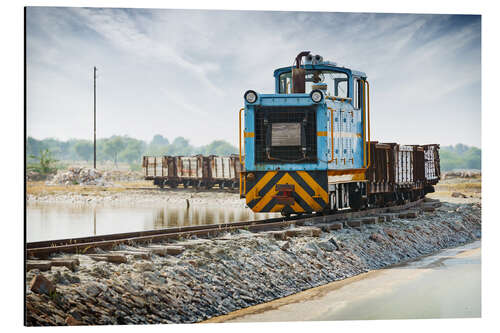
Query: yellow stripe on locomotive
[(288, 191)]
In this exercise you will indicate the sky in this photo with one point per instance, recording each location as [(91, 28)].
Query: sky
[(184, 72)]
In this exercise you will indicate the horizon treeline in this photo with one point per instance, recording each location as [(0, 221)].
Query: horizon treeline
[(130, 150), (122, 148), (460, 156)]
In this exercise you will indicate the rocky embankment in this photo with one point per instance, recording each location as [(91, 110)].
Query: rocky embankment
[(193, 280)]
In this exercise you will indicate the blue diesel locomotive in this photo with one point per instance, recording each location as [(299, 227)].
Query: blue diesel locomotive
[(307, 147)]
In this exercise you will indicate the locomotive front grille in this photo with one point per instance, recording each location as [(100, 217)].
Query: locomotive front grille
[(285, 135)]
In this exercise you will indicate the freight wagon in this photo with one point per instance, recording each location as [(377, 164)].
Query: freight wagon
[(192, 171), (401, 172)]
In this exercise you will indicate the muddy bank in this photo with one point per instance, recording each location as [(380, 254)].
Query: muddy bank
[(134, 197), (214, 277)]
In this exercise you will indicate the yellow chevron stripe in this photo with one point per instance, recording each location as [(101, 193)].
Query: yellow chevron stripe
[(265, 199), (287, 179), (277, 208), (314, 185), (253, 193), (302, 193), (297, 208)]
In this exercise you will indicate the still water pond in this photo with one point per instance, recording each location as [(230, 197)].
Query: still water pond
[(445, 285), (56, 221)]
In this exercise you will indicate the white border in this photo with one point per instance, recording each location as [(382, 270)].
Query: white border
[(13, 139)]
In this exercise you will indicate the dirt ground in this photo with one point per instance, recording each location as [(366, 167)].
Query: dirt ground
[(451, 189), (141, 193), (458, 190)]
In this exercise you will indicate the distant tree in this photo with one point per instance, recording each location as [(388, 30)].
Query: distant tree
[(34, 146), (181, 146), (159, 140), (460, 148), (113, 147), (84, 149), (460, 156), (132, 152), (218, 147), (473, 158), (44, 163)]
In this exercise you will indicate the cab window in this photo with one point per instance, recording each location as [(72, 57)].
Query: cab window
[(286, 83), (357, 93), (332, 83)]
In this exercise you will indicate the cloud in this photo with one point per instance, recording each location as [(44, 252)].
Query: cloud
[(183, 72)]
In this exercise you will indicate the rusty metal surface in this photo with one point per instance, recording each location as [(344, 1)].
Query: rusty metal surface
[(193, 171), (397, 167)]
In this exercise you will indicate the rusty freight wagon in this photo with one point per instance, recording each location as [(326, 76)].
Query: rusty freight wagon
[(401, 172), (192, 171)]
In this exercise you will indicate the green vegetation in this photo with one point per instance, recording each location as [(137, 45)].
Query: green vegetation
[(129, 150), (122, 149), (460, 156), (84, 150), (44, 163)]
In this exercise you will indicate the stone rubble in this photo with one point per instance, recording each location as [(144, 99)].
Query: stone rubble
[(466, 173), (88, 176), (212, 277), (79, 175)]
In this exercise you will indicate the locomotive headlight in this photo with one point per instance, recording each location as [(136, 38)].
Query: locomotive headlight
[(250, 96), (316, 96)]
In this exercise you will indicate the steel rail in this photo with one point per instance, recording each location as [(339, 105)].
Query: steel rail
[(87, 244)]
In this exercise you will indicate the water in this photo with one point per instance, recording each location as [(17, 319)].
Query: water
[(56, 221), (445, 285)]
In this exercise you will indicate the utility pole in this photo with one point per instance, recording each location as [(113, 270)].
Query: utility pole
[(95, 70)]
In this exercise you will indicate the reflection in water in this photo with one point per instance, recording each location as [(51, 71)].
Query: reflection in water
[(56, 221), (176, 216)]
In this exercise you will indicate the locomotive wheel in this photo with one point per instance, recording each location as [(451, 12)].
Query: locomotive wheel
[(286, 211)]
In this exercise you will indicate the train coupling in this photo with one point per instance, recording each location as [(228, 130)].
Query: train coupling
[(285, 194)]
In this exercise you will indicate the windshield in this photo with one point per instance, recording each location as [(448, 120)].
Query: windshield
[(331, 82)]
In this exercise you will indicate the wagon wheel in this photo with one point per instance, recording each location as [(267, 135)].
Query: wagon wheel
[(345, 198)]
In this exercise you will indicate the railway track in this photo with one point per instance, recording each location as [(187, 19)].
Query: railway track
[(43, 249)]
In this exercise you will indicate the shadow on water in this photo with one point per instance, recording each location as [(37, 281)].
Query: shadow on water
[(55, 221)]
